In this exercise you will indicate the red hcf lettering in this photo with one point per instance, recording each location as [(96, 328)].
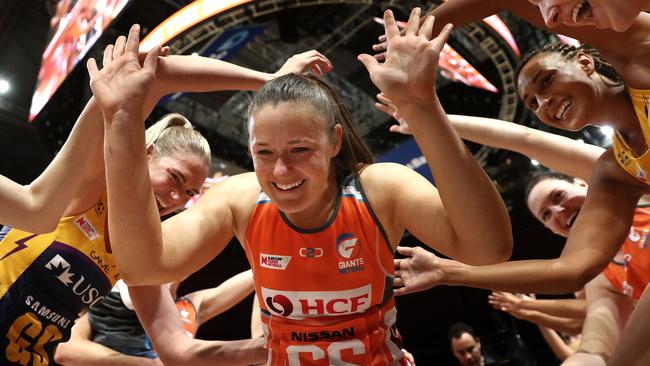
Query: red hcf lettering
[(333, 306)]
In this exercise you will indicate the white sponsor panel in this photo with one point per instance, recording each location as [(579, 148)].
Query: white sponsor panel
[(303, 304)]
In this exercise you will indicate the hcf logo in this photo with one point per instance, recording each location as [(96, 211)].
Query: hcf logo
[(303, 304)]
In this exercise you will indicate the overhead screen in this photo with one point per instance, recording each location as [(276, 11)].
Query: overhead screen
[(76, 26)]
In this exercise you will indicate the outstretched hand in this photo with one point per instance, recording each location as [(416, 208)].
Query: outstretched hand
[(312, 61), (122, 83), (419, 271), (386, 106), (408, 74), (505, 301)]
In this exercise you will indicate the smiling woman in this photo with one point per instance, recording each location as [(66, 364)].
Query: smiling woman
[(314, 218)]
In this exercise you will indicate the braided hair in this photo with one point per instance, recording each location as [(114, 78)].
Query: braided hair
[(569, 52)]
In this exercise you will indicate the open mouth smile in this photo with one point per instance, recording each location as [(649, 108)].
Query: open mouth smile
[(290, 186)]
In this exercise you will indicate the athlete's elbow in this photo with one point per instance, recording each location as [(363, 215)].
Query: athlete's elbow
[(63, 353), (576, 277)]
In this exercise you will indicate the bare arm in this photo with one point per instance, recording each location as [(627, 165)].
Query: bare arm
[(600, 228), (159, 317), (569, 308), (633, 348), (39, 206), (467, 194), (256, 319), (557, 152), (81, 351), (606, 317), (202, 74), (566, 308), (571, 326), (554, 151), (560, 349), (214, 301)]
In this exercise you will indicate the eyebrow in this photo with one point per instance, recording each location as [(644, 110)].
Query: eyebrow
[(537, 75), (302, 140), (546, 199)]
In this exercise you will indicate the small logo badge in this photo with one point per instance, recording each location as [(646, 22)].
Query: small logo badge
[(272, 261), (311, 252), (86, 227), (348, 248)]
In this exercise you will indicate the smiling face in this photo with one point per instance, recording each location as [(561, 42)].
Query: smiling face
[(561, 93), (615, 14), (175, 179), (556, 203), (292, 152)]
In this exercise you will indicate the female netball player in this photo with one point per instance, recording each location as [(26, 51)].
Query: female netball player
[(48, 279), (318, 220)]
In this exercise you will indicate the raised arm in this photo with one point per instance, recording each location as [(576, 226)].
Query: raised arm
[(159, 317), (39, 206), (214, 301), (80, 350), (203, 74), (477, 217), (557, 152)]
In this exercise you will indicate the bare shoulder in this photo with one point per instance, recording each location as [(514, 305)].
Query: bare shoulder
[(385, 173), (383, 182)]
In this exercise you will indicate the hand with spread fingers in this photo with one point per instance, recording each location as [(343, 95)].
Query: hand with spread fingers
[(419, 271), (385, 105), (123, 84), (506, 301), (313, 61), (408, 75)]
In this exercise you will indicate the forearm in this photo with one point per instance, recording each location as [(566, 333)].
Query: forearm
[(39, 206), (560, 349), (554, 151), (215, 301), (203, 74), (552, 276), (80, 352), (568, 308), (567, 325), (633, 347), (208, 353), (134, 223), (462, 12), (465, 190)]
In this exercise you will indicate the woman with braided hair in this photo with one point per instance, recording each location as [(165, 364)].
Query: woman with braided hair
[(568, 88)]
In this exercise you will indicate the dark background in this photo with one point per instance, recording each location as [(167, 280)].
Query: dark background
[(423, 318)]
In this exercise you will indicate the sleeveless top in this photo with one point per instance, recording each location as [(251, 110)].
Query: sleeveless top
[(326, 294), (46, 280), (629, 272), (115, 324), (637, 166)]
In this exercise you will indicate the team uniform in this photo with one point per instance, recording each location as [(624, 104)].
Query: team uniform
[(326, 294), (115, 324), (636, 166), (629, 272), (46, 280)]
